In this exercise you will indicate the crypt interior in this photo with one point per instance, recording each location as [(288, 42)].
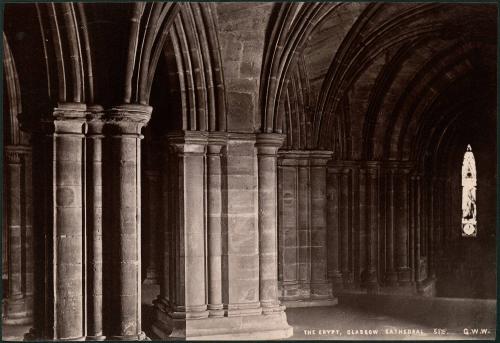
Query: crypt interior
[(223, 170)]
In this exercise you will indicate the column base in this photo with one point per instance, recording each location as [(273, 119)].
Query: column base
[(310, 302), (32, 336), (139, 337), (404, 276), (371, 283), (254, 327), (240, 310), (96, 338), (15, 311), (289, 291), (427, 288), (321, 290), (215, 310), (347, 280), (336, 281), (391, 278)]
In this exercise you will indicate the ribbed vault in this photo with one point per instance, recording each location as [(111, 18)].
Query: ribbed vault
[(359, 79), (85, 50)]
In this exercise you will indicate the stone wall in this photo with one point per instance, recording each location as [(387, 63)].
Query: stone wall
[(377, 221)]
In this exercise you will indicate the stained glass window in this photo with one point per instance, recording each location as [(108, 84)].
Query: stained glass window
[(469, 184)]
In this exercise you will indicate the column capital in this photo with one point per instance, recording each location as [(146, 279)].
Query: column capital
[(128, 118), (66, 111), (14, 153), (185, 142), (373, 168), (268, 143), (320, 157), (216, 141), (95, 119), (293, 158), (343, 166), (400, 167), (67, 118)]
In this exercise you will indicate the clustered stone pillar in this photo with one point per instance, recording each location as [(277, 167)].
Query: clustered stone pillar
[(88, 223), (222, 227), (303, 225), (18, 307)]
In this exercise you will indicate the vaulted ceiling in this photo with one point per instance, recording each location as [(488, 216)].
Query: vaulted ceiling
[(381, 81), (373, 81)]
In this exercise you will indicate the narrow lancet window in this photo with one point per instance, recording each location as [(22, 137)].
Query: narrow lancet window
[(469, 183)]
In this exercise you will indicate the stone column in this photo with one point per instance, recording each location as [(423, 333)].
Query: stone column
[(123, 134), (431, 233), (391, 275), (418, 227), (232, 210), (267, 150), (241, 241), (333, 225), (304, 224), (401, 221), (345, 223), (355, 229), (215, 221), (362, 247), (413, 215), (18, 305), (288, 230), (41, 157), (372, 228), (94, 223), (28, 237), (320, 287), (63, 298), (152, 221)]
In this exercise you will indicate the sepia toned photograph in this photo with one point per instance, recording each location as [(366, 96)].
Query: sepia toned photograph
[(227, 171)]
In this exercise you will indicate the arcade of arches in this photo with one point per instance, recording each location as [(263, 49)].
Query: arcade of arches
[(242, 157)]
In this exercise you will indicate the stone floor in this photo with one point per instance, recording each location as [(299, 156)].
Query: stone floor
[(345, 321)]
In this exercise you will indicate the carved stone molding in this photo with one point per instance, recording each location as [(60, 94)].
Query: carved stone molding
[(127, 118), (15, 154)]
